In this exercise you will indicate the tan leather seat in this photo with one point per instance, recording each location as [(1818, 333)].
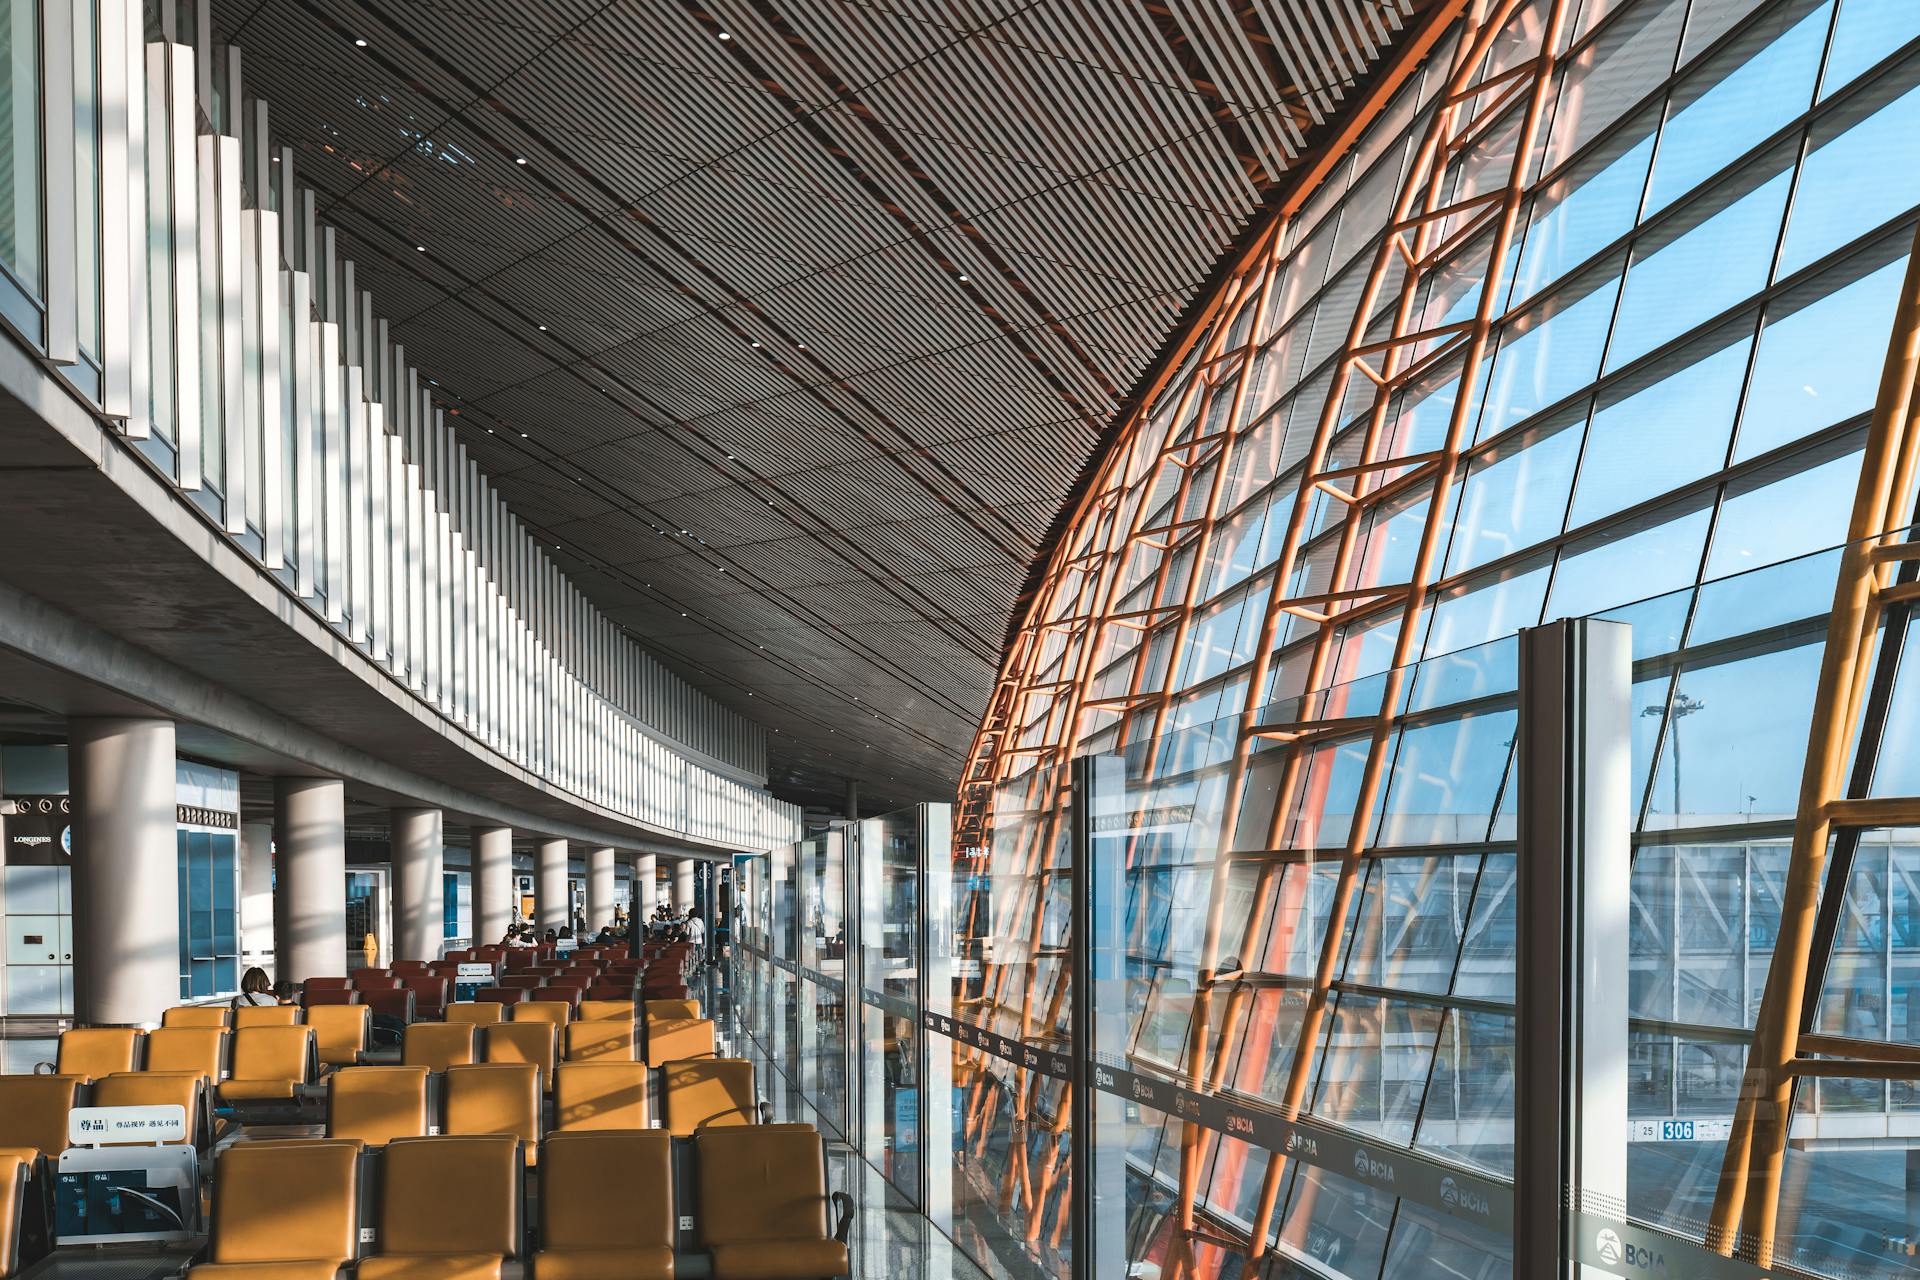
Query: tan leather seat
[(557, 1012), (672, 1010), (449, 1209), (521, 1042), (14, 1168), (599, 1095), (606, 1206), (375, 1105), (154, 1089), (496, 1097), (437, 1045), (475, 1012), (197, 1015), (96, 1052), (33, 1112), (600, 1041), (268, 1062), (679, 1039), (201, 1049), (772, 1182), (266, 1015), (605, 1011), (707, 1093), (283, 1211), (340, 1032)]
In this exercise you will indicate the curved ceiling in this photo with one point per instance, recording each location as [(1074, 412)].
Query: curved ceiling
[(791, 323)]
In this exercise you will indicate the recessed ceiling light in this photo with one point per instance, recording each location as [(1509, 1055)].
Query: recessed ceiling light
[(725, 36), (963, 279), (543, 328), (489, 430), (519, 159), (419, 248), (683, 615), (523, 435), (756, 345), (359, 43), (801, 345)]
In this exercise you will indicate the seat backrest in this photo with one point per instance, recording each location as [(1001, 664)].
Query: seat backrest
[(458, 1194), (327, 984), (437, 1045), (375, 1105), (340, 1031), (403, 967), (707, 1093), (672, 1009), (14, 1167), (197, 1015), (330, 995), (265, 1015), (500, 995), (475, 1012), (292, 1201), (429, 992), (273, 1053), (605, 1011), (607, 1190), (524, 980), (558, 1012), (772, 1178), (201, 1049), (599, 1095), (494, 1097), (154, 1089), (678, 1039), (604, 1040), (521, 1042), (375, 982), (33, 1111), (390, 1004), (94, 1052)]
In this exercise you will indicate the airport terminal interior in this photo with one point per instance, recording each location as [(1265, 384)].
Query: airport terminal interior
[(959, 639)]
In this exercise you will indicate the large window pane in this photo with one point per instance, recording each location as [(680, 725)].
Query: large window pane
[(20, 143), (1862, 168)]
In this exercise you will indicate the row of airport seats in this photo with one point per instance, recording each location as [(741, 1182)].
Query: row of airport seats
[(335, 1036), (375, 1105), (752, 1204)]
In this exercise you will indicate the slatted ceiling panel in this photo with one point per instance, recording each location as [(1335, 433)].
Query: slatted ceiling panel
[(1069, 157)]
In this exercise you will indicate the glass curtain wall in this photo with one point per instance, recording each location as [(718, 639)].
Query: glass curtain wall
[(1593, 312)]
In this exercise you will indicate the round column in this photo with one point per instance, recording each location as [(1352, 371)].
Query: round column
[(550, 906), (310, 900), (256, 896), (683, 884), (599, 889), (646, 887), (126, 872), (419, 884), (493, 908)]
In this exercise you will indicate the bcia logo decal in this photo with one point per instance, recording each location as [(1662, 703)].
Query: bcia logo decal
[(1141, 1089), (1455, 1196), (1608, 1244), (1103, 1077), (1299, 1143), (1367, 1167)]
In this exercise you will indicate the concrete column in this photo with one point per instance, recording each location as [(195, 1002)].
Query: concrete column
[(646, 887), (683, 884), (256, 895), (493, 895), (599, 889), (310, 900), (419, 885), (126, 871), (550, 906)]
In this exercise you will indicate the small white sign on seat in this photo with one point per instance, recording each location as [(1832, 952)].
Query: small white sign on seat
[(98, 1126)]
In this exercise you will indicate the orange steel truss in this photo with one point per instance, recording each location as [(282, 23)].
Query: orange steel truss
[(1746, 1205), (1121, 592)]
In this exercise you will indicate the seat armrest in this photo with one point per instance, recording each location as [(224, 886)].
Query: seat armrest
[(766, 1112), (844, 1227), (44, 1069)]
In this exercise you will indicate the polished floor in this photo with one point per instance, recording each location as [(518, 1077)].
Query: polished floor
[(891, 1239)]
